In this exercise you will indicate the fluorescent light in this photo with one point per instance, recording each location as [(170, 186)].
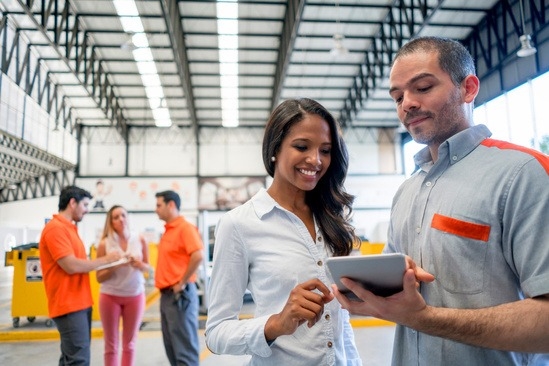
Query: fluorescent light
[(154, 92), (151, 80), (126, 8), (228, 69), (230, 122), (228, 41), (230, 81), (227, 28), (142, 54), (132, 24), (140, 40), (146, 67), (163, 122), (228, 56), (229, 9)]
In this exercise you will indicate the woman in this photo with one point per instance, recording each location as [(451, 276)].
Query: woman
[(122, 291), (276, 245)]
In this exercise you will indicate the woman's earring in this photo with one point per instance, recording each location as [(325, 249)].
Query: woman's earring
[(273, 159)]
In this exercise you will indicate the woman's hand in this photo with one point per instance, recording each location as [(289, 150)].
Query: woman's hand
[(138, 264), (305, 304)]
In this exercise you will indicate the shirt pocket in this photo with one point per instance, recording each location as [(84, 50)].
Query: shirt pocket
[(460, 248)]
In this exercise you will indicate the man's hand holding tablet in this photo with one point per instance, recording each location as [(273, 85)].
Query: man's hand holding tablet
[(381, 274)]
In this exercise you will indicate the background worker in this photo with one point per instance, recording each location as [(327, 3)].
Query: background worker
[(179, 256), (122, 290), (65, 267)]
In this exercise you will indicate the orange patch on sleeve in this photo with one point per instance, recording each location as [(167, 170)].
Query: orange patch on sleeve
[(539, 156), (462, 228)]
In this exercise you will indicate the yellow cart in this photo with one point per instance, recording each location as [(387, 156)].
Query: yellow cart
[(28, 293)]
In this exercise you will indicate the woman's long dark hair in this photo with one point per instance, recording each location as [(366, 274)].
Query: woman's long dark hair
[(328, 201)]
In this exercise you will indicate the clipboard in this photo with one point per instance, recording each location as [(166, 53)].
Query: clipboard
[(113, 264)]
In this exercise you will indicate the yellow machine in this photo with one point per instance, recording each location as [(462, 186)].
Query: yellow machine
[(371, 248), (28, 293)]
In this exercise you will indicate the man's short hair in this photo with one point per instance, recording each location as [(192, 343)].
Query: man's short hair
[(168, 196), (69, 192)]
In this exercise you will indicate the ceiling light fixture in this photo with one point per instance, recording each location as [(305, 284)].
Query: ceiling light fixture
[(138, 44), (227, 25), (526, 47), (338, 48)]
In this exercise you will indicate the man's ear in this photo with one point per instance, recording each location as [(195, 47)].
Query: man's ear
[(471, 86)]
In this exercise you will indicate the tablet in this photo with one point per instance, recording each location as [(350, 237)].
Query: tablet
[(113, 264), (379, 273)]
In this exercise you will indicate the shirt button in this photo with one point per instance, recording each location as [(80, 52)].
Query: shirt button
[(319, 263), (327, 316), (330, 344), (418, 230), (319, 238), (454, 158), (428, 184)]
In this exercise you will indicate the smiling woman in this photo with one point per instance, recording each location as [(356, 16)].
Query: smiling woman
[(276, 245)]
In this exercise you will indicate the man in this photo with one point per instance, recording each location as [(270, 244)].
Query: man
[(65, 268), (179, 256), (474, 215)]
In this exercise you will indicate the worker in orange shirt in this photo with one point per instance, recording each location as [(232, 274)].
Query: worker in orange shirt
[(179, 256), (65, 267)]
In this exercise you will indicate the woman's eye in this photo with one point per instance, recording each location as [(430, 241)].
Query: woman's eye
[(326, 151), (300, 147)]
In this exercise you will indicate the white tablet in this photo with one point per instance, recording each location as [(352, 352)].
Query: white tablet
[(379, 273), (113, 264)]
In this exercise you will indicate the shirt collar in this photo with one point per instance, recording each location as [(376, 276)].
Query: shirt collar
[(173, 223), (456, 147), (263, 203), (64, 219)]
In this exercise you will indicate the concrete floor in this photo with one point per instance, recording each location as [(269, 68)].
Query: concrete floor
[(34, 343)]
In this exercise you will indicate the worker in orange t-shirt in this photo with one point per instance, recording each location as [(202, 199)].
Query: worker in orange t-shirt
[(65, 267), (179, 256)]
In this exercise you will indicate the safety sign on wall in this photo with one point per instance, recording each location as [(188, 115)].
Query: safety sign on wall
[(34, 270)]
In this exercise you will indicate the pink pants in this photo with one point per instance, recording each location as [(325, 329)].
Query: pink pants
[(130, 309)]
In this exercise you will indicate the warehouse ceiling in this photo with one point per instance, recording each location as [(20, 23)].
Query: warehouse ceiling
[(182, 63)]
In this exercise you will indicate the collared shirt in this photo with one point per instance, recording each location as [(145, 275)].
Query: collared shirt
[(179, 241), (263, 247), (476, 219), (66, 293)]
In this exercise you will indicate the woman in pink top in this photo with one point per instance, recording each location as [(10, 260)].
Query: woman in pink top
[(122, 291)]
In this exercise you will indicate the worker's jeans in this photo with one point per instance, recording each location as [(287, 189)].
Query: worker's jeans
[(179, 317), (75, 332)]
